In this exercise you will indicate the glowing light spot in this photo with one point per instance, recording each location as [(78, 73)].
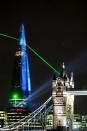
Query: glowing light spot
[(20, 109), (15, 96)]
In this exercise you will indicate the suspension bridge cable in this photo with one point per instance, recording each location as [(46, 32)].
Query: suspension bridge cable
[(35, 113)]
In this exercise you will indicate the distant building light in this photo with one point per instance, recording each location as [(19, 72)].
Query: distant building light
[(20, 53), (76, 126)]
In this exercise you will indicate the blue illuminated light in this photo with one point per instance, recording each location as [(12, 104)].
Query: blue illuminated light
[(22, 39), (25, 74), (28, 77)]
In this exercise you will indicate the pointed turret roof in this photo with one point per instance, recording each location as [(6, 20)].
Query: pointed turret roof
[(71, 76), (63, 66), (63, 70)]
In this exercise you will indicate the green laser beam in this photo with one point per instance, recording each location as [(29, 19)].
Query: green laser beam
[(43, 59), (38, 55), (9, 36)]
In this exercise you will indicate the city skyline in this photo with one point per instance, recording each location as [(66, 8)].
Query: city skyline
[(56, 30)]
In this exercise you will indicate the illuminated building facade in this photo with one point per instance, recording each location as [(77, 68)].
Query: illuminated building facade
[(3, 119), (79, 123), (21, 87), (16, 114), (49, 122)]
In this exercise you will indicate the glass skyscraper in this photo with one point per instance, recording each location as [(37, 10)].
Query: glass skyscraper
[(21, 87)]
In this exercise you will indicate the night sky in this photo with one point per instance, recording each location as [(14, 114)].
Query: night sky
[(57, 31)]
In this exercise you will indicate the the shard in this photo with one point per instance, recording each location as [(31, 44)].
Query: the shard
[(21, 86)]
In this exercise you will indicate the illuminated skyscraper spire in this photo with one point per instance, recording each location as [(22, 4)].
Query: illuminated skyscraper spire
[(25, 74), (22, 36), (21, 87)]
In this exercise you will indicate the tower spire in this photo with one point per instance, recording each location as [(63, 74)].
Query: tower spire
[(63, 73), (22, 41), (71, 76), (72, 80), (63, 65)]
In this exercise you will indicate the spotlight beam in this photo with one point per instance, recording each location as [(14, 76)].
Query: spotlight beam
[(38, 55)]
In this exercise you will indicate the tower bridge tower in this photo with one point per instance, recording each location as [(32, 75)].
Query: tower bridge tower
[(63, 102)]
